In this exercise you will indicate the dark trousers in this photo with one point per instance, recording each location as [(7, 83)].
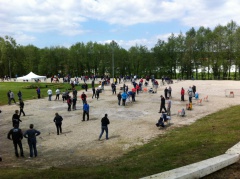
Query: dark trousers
[(190, 99), (119, 102), (39, 96), (21, 111), (12, 99), (69, 107), (162, 107), (85, 113), (59, 128), (19, 144), (57, 97), (32, 147), (104, 128), (182, 97), (123, 102)]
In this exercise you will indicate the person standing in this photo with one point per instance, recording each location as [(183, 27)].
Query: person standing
[(105, 122), (169, 105), (182, 94), (194, 89), (12, 97), (38, 92), (83, 97), (190, 94), (69, 103), (124, 98), (58, 122), (16, 136), (85, 111), (19, 95), (166, 92), (97, 93), (49, 92), (94, 92), (8, 95), (31, 134), (162, 106), (169, 92), (74, 101), (57, 94), (119, 96), (21, 108), (16, 119)]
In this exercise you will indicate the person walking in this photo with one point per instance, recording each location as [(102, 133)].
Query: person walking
[(49, 92), (119, 96), (162, 106), (105, 121), (16, 119), (16, 136), (21, 108), (182, 94), (38, 92), (31, 134), (85, 111), (58, 122), (57, 94)]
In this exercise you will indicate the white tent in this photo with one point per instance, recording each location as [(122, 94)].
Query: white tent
[(32, 76)]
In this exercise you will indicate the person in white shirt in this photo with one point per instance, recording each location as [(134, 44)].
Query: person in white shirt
[(49, 92), (57, 94)]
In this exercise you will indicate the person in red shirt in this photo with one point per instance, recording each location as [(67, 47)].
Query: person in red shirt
[(83, 97), (182, 94), (133, 94)]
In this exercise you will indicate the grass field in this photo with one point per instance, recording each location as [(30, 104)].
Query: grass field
[(206, 138), (28, 89)]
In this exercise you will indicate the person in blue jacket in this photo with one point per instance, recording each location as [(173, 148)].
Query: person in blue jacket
[(124, 97), (85, 111)]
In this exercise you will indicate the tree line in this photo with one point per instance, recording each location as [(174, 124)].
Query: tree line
[(199, 53)]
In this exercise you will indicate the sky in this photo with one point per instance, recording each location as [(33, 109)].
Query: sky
[(48, 23)]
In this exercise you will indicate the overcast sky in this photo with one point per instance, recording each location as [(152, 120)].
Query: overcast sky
[(46, 23)]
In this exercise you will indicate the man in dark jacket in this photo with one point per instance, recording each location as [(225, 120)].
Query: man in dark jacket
[(16, 136), (58, 122), (21, 108), (16, 119), (162, 106), (31, 134), (105, 122)]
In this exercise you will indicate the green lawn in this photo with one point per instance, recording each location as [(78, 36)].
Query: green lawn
[(28, 89)]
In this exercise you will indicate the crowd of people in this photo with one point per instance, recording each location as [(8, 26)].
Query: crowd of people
[(124, 95)]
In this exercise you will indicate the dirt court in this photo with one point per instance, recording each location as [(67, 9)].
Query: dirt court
[(130, 125)]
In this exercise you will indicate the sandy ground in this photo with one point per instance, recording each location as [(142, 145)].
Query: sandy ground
[(130, 125)]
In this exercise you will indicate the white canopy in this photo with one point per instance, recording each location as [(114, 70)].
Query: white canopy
[(31, 76)]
